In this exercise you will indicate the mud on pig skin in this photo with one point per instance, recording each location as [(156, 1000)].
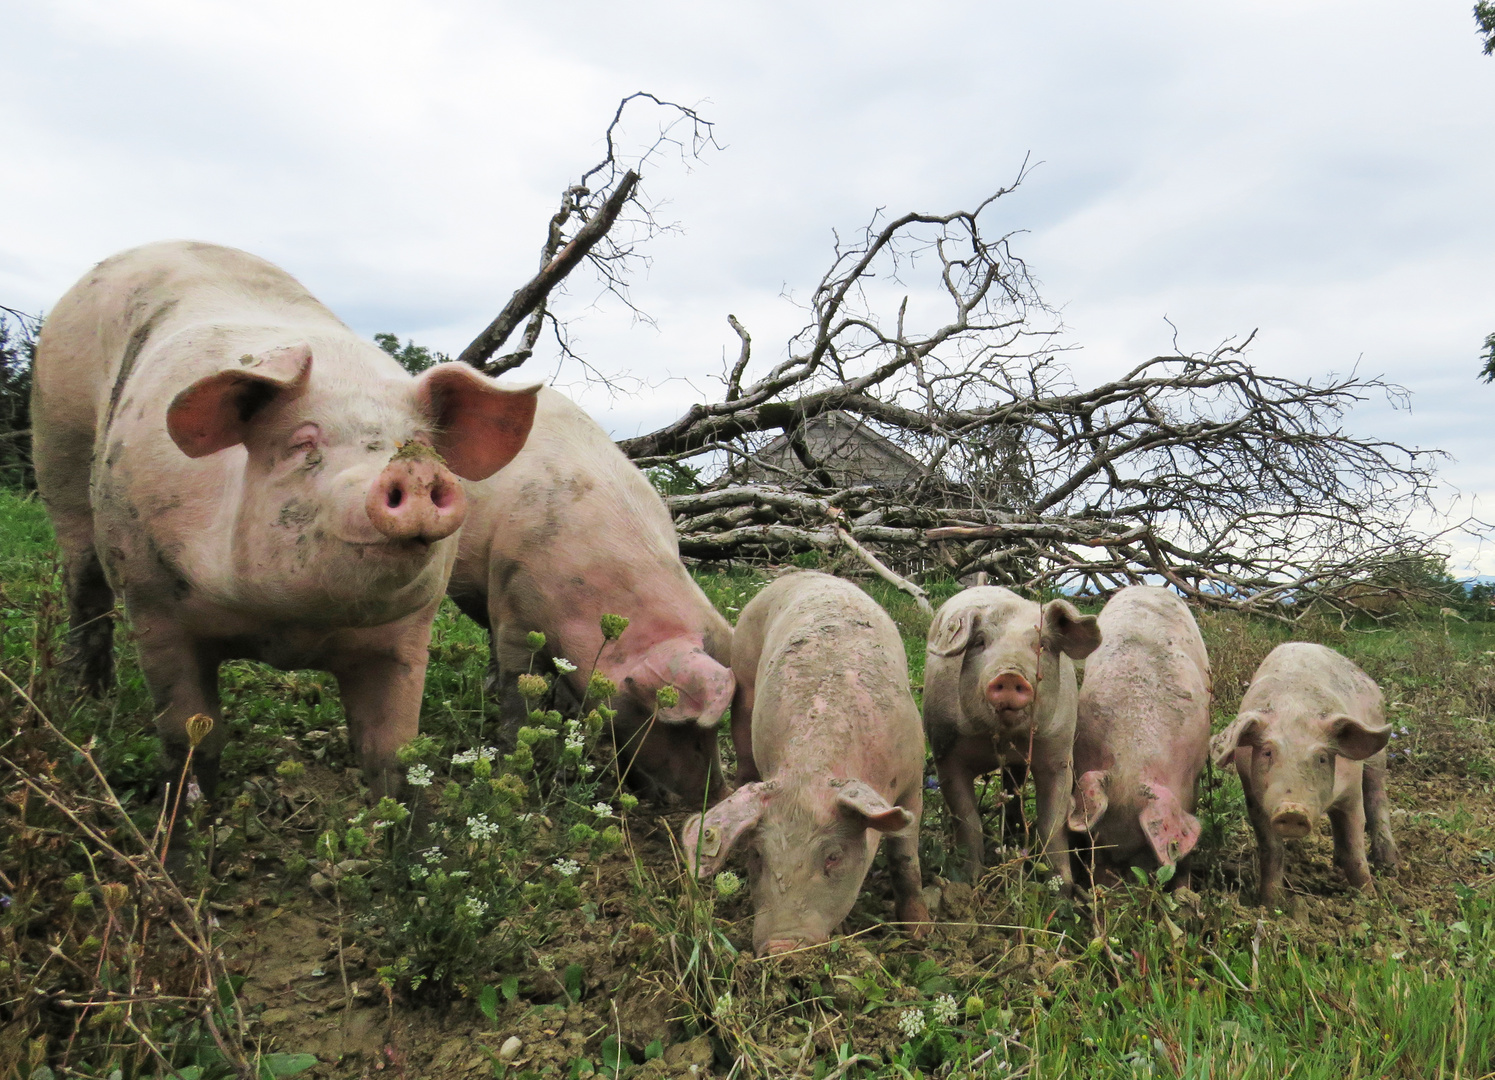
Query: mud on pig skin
[(1310, 739), (1141, 736), (1000, 691), (828, 742), (255, 481), (572, 530)]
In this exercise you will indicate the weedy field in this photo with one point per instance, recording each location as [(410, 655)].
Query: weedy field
[(536, 921)]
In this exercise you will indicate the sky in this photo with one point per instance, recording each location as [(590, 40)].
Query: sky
[(1316, 170)]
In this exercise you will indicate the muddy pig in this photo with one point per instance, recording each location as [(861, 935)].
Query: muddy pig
[(999, 690), (217, 448), (570, 531), (828, 740), (1141, 736), (1310, 738)]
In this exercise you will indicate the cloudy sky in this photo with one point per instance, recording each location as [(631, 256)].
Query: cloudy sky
[(1320, 171)]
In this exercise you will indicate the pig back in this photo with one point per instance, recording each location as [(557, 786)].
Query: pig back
[(1303, 679), (831, 692), (1143, 713), (570, 530)]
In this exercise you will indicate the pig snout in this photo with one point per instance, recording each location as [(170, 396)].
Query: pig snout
[(1009, 691), (416, 498), (1292, 821), (778, 946)]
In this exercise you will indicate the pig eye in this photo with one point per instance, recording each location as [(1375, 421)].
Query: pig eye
[(832, 863), (1323, 759), (305, 437)]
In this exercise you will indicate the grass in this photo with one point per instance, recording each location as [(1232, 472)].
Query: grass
[(650, 973)]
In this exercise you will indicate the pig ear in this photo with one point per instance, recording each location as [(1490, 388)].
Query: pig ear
[(1170, 829), (1089, 801), (860, 802), (708, 838), (215, 412), (480, 425), (951, 632), (1066, 630), (705, 686), (1356, 740), (1244, 730)]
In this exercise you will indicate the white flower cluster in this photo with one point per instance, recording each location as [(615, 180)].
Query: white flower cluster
[(602, 809), (567, 868), (574, 740), (431, 855), (480, 828), (564, 666), (946, 1009), (473, 756), (586, 768), (419, 873), (474, 908), (723, 1006), (912, 1023), (419, 776)]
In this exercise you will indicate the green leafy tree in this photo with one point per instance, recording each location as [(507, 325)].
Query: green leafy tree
[(412, 357), (1484, 18)]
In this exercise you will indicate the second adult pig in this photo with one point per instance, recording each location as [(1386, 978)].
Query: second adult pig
[(999, 690), (828, 738), (570, 531), (1142, 734)]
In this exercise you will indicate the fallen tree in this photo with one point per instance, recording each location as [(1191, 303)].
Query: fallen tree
[(927, 346)]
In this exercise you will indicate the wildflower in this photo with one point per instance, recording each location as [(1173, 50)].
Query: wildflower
[(581, 833), (564, 666), (194, 793), (628, 800), (601, 687), (431, 855), (419, 776), (534, 640), (586, 768), (912, 1023), (1054, 885), (567, 868), (667, 696), (727, 884), (473, 908), (575, 743), (946, 1009), (480, 828), (613, 626), (419, 873), (602, 809), (198, 727), (532, 687), (473, 756), (723, 1006)]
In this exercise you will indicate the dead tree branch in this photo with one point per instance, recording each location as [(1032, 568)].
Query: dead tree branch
[(585, 229)]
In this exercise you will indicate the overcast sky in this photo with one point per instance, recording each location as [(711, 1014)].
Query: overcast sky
[(1321, 171)]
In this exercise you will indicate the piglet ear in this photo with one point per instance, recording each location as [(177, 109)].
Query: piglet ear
[(1244, 730), (1355, 739), (858, 800), (1089, 801), (1066, 630), (704, 686), (708, 838), (215, 412), (950, 633), (480, 425)]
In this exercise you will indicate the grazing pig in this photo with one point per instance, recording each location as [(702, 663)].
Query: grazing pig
[(570, 531), (256, 482), (1141, 735), (828, 738), (1310, 738), (999, 690)]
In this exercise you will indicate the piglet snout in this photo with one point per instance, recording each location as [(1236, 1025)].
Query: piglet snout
[(1292, 821), (417, 498), (1009, 690)]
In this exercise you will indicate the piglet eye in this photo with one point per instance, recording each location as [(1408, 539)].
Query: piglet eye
[(832, 861)]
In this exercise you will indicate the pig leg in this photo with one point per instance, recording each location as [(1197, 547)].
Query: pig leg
[(90, 601), (1053, 782), (381, 674), (1347, 820), (1383, 853), (957, 781), (903, 862), (1269, 850), (742, 733), (182, 673)]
